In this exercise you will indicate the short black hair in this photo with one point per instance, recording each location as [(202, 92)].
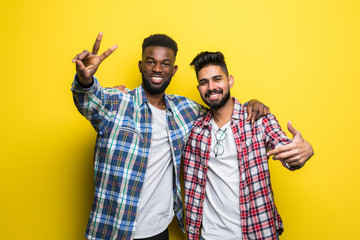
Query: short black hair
[(205, 59), (160, 40)]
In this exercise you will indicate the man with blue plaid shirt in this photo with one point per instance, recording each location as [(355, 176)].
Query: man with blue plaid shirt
[(139, 143), (228, 194)]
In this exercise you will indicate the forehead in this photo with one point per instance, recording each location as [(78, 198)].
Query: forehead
[(210, 72), (159, 53)]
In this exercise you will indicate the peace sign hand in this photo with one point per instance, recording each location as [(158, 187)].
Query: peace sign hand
[(87, 63)]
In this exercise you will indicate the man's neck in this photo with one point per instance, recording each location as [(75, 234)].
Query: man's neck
[(157, 100), (223, 114)]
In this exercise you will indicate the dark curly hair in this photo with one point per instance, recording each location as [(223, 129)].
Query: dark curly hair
[(205, 59), (160, 40)]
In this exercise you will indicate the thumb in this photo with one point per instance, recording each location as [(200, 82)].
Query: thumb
[(294, 132), (79, 66), (249, 111)]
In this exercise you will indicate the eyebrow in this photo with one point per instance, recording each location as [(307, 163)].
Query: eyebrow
[(205, 79), (216, 76), (151, 58)]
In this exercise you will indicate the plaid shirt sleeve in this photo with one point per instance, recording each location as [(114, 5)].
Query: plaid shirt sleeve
[(275, 137), (99, 105)]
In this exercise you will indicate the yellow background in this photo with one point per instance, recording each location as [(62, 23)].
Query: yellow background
[(301, 58)]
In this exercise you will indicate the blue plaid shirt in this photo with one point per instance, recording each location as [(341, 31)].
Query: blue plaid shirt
[(123, 123)]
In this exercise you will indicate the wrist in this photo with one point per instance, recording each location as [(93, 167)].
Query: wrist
[(85, 83)]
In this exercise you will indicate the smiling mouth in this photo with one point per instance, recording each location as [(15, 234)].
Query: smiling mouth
[(213, 95), (157, 79)]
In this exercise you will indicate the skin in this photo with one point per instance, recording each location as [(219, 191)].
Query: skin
[(295, 153), (213, 86), (87, 63), (213, 80), (157, 68)]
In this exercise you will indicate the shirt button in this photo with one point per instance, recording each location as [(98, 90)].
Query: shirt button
[(199, 217)]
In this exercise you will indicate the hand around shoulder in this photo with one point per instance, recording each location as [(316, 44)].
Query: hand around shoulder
[(256, 110)]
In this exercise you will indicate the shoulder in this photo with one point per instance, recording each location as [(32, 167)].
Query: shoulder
[(266, 123), (201, 122), (240, 110), (182, 103), (177, 99)]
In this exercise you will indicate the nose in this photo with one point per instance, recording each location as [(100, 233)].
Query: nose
[(157, 68), (211, 85)]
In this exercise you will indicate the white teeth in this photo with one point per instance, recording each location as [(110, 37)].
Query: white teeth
[(156, 78)]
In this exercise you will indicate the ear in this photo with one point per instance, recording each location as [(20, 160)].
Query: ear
[(175, 68), (140, 64), (231, 81)]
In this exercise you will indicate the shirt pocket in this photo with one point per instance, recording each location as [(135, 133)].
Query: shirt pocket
[(128, 131)]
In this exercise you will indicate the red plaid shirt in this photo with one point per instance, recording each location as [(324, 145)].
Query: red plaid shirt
[(258, 214)]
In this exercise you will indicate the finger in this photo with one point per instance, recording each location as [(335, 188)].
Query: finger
[(292, 165), (285, 155), (293, 161), (75, 58), (291, 129), (249, 111), (82, 55), (97, 44), (261, 111), (107, 53), (267, 111), (255, 116), (121, 88), (287, 147), (79, 66)]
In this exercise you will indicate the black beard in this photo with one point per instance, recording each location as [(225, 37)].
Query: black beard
[(152, 89), (219, 104)]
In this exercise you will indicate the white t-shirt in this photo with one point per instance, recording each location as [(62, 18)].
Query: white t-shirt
[(221, 217), (155, 210)]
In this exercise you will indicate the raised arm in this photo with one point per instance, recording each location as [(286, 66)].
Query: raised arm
[(97, 104), (87, 63)]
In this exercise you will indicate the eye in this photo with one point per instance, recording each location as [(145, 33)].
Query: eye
[(202, 83), (217, 79), (150, 62)]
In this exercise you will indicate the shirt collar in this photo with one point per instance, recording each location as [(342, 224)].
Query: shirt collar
[(237, 114), (140, 98)]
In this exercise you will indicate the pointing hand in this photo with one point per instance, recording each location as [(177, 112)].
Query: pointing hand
[(295, 154)]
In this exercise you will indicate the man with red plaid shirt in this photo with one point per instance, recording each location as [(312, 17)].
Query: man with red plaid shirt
[(228, 192)]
